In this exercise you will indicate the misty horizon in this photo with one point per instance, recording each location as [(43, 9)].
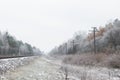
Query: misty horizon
[(49, 23)]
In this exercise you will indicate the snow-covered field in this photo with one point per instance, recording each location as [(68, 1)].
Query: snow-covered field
[(44, 69), (92, 73)]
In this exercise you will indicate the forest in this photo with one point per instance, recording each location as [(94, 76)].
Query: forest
[(10, 46), (107, 41), (80, 49)]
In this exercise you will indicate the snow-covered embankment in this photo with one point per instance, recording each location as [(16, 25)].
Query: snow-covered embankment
[(13, 63)]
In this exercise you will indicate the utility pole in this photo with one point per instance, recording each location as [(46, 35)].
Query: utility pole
[(89, 42), (73, 45), (94, 32), (66, 48)]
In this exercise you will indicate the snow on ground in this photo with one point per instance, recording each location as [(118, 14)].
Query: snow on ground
[(93, 73), (44, 69), (38, 70), (12, 63)]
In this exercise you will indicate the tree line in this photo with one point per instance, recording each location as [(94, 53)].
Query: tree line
[(9, 46), (107, 41)]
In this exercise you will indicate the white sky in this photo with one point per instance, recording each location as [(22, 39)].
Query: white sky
[(48, 23)]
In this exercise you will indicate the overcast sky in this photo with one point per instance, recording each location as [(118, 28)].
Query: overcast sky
[(48, 23)]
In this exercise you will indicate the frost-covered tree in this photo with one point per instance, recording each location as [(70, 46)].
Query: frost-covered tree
[(9, 46), (107, 39)]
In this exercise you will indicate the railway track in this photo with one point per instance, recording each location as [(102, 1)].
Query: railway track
[(6, 57)]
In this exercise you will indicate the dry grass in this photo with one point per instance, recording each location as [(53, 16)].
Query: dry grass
[(100, 59)]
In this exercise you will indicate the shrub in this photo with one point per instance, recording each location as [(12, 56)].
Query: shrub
[(100, 59)]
